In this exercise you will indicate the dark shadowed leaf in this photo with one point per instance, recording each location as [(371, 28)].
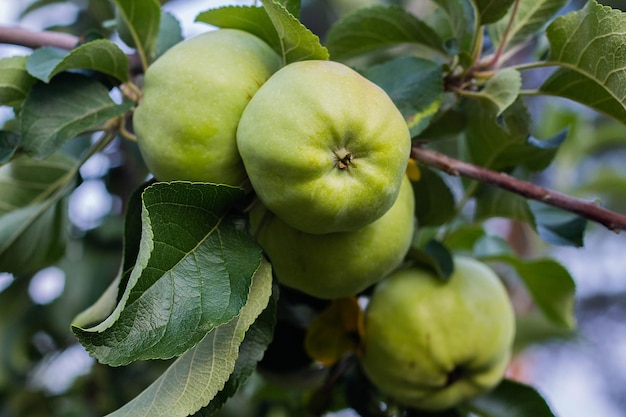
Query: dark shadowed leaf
[(510, 399), (463, 24), (9, 141), (373, 28), (33, 213), (490, 11), (557, 226), (192, 274), (415, 85), (434, 256), (57, 112), (434, 202)]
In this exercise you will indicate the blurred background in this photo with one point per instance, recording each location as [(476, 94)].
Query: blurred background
[(45, 372)]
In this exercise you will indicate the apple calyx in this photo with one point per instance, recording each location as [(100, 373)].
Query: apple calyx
[(344, 158)]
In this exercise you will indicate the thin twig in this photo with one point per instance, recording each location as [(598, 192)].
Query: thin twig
[(36, 39), (611, 220)]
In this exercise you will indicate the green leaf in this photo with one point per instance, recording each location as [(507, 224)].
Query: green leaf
[(490, 11), (510, 399), (254, 20), (503, 142), (502, 89), (100, 55), (15, 81), (529, 20), (434, 201), (557, 226), (298, 43), (462, 20), (139, 22), (415, 85), (195, 378), (588, 46), (9, 142), (373, 28), (550, 285), (192, 274), (170, 33), (436, 257), (251, 351), (492, 201), (33, 212), (57, 112)]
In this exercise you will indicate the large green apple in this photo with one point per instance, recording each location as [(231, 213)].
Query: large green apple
[(432, 344), (338, 264), (193, 97), (325, 149)]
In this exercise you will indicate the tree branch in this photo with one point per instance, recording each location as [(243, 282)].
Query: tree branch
[(33, 39), (611, 220)]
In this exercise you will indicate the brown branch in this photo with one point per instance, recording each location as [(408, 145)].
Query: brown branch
[(33, 39), (611, 220), (36, 39)]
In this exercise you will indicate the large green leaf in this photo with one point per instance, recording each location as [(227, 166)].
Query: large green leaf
[(15, 81), (415, 85), (376, 27), (195, 378), (57, 112), (588, 46), (509, 399), (138, 25), (170, 33), (434, 200), (251, 19), (491, 11), (191, 274), (100, 55), (530, 18), (33, 214)]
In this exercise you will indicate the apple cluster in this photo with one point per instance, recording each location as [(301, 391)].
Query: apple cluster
[(325, 151)]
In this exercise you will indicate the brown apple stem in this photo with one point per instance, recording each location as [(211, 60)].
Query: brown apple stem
[(589, 210)]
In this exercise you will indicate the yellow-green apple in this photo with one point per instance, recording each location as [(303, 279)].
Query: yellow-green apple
[(431, 344), (193, 97), (325, 149), (340, 264)]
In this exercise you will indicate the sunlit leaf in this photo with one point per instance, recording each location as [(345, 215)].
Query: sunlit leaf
[(100, 55), (57, 112), (502, 89), (195, 378), (298, 43), (192, 274), (588, 45), (33, 213), (372, 28), (415, 85), (254, 20), (15, 81)]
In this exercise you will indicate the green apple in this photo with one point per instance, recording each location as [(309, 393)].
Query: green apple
[(337, 264), (431, 344), (193, 97), (325, 149)]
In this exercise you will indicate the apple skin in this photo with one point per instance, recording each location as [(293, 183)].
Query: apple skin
[(431, 344), (193, 97), (341, 264), (324, 148)]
